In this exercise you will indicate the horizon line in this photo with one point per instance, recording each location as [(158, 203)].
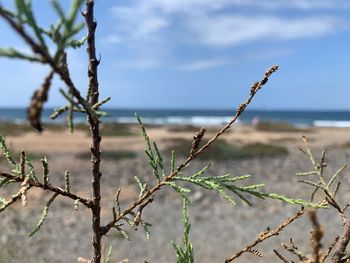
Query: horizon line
[(193, 109)]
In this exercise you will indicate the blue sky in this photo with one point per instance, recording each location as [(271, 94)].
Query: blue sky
[(203, 54)]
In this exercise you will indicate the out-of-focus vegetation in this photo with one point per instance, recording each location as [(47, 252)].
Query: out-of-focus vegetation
[(222, 150), (278, 127)]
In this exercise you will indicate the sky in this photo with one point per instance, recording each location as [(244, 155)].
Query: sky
[(201, 54)]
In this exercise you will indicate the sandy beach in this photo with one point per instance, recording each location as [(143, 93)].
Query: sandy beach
[(218, 228)]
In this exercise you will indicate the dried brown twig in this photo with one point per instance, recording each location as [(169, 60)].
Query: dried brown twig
[(39, 97), (338, 256), (331, 199), (280, 256), (318, 170), (316, 235), (267, 234)]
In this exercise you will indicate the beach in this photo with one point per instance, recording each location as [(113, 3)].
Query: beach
[(218, 228)]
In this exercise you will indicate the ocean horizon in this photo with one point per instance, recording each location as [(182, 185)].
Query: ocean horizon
[(331, 118)]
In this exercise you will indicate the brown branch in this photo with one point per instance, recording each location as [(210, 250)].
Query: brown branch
[(280, 256), (18, 27), (14, 198), (32, 183), (93, 94), (39, 97), (253, 90), (266, 235), (315, 236), (197, 138), (342, 244), (325, 254), (292, 248)]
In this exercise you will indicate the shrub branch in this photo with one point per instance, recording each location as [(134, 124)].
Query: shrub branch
[(265, 235), (253, 90), (33, 183)]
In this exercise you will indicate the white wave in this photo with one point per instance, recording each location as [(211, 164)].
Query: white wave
[(329, 123), (179, 120)]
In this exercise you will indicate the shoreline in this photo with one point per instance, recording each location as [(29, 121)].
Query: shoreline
[(122, 136)]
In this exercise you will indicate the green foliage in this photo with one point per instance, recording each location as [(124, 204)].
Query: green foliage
[(225, 185), (7, 153), (109, 254), (155, 158), (116, 129), (32, 174), (185, 254), (222, 150), (143, 186), (43, 215), (13, 53), (62, 33), (46, 178)]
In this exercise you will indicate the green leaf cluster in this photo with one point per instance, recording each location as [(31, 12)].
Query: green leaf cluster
[(62, 33), (155, 158), (185, 254)]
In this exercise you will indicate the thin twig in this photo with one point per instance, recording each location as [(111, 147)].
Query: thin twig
[(342, 244), (280, 256), (292, 248), (325, 254), (266, 235), (32, 183), (315, 236)]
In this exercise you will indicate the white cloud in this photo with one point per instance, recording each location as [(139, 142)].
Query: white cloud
[(230, 30), (138, 23), (295, 4), (203, 64), (190, 6), (158, 27)]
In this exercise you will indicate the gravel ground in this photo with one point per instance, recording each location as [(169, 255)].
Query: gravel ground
[(218, 229)]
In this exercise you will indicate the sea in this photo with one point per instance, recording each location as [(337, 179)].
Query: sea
[(301, 118)]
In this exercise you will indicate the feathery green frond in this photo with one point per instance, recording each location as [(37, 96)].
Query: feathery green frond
[(46, 177), (143, 186), (32, 174), (155, 158), (186, 253), (109, 254), (43, 215), (13, 53)]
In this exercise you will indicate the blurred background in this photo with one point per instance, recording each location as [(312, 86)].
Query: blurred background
[(183, 64)]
